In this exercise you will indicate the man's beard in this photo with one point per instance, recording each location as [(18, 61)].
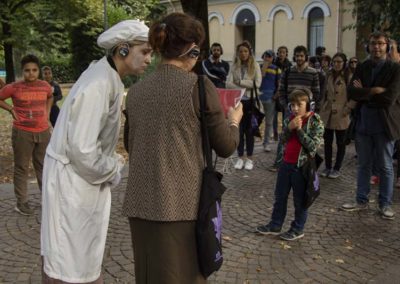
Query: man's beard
[(301, 63)]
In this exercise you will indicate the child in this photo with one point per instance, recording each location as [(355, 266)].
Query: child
[(31, 102), (302, 135)]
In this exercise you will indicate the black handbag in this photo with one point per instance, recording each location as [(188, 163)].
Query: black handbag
[(257, 113), (309, 171), (209, 216), (350, 134)]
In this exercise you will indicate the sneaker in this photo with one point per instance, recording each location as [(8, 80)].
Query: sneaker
[(334, 174), (386, 212), (24, 209), (273, 168), (248, 165), (325, 173), (267, 148), (291, 235), (374, 180), (239, 164), (268, 230), (398, 182), (354, 206)]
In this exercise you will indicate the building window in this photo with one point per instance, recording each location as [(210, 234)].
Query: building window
[(315, 29), (246, 27)]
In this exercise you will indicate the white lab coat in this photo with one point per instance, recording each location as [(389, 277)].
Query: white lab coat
[(79, 164)]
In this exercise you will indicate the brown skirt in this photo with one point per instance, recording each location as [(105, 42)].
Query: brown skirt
[(165, 252)]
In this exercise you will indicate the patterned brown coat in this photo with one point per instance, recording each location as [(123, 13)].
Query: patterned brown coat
[(164, 142)]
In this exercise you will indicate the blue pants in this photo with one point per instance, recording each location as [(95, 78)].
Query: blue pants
[(383, 147), (289, 176), (269, 110)]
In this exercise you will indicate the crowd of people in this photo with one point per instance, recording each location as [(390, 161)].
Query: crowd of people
[(347, 100), (321, 98)]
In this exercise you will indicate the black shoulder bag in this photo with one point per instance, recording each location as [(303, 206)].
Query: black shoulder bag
[(209, 215), (310, 173)]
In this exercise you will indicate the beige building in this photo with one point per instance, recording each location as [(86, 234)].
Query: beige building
[(268, 24)]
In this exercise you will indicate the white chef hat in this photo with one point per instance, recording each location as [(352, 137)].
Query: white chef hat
[(124, 31)]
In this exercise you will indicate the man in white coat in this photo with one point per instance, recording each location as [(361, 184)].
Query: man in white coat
[(81, 165)]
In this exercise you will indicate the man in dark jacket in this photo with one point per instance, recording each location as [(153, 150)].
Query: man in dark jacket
[(214, 67), (376, 86)]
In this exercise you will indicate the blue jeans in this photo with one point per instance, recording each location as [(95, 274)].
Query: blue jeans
[(269, 110), (382, 147), (289, 176)]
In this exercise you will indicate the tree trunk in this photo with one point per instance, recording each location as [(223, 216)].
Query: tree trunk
[(8, 53), (199, 9)]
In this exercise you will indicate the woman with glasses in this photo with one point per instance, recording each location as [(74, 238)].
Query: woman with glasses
[(166, 161), (335, 113), (245, 73)]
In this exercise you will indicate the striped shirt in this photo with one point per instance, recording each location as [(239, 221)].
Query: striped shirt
[(30, 104), (270, 78), (308, 78)]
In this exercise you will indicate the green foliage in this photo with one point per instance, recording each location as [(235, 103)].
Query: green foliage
[(59, 31), (84, 46), (2, 61), (116, 14), (145, 10), (380, 15), (62, 69)]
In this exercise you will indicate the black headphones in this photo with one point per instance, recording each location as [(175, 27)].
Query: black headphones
[(301, 50), (124, 50), (388, 45), (310, 103), (216, 44)]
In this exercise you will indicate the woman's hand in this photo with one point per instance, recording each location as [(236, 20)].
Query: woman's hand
[(235, 115)]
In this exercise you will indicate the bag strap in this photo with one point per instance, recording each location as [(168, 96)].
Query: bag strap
[(286, 81), (252, 96), (204, 133)]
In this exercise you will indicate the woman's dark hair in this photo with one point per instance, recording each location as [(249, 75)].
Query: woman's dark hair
[(171, 36), (29, 58)]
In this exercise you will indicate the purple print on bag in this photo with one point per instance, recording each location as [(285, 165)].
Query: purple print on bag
[(217, 221), (316, 182)]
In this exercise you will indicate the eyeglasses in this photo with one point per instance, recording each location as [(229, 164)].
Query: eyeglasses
[(353, 61), (192, 52), (378, 43), (338, 61)]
